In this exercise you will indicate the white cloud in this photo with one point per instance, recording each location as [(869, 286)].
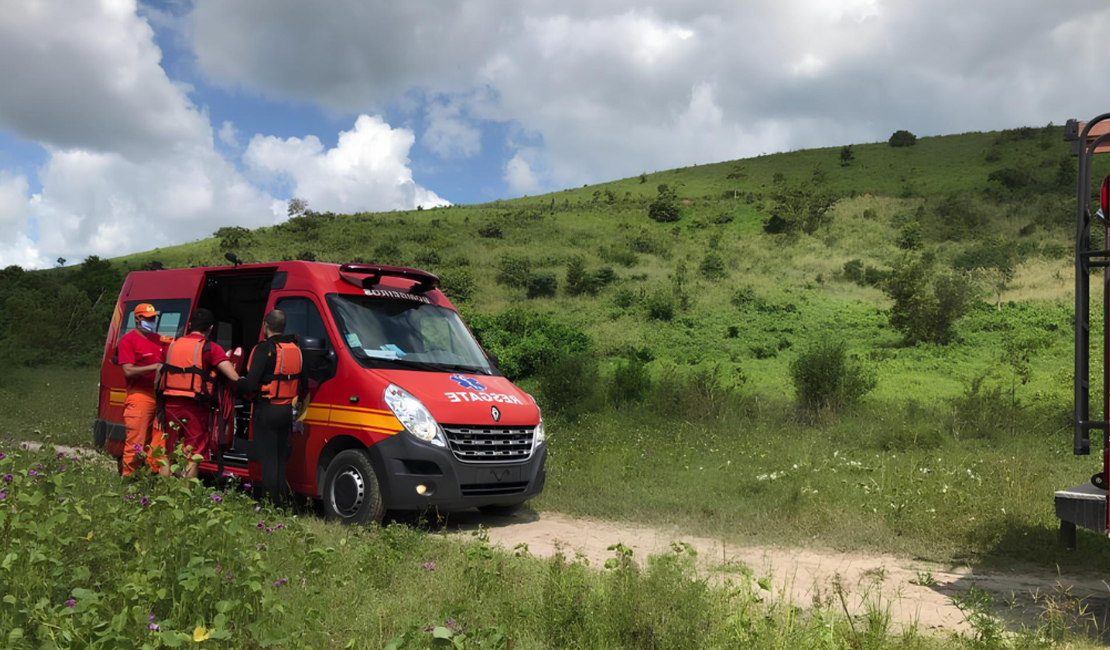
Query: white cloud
[(229, 135), (449, 135), (519, 176), (605, 85), (131, 163), (366, 170)]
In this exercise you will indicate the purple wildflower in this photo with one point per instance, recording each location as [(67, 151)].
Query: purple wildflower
[(279, 526), (246, 486), (261, 525), (217, 498), (8, 478), (3, 495), (452, 625), (281, 583), (144, 502), (269, 530), (61, 468), (136, 447), (32, 472), (40, 466), (71, 603), (129, 497), (24, 446), (3, 455), (150, 617), (431, 566), (219, 568), (258, 508), (61, 454), (228, 575), (153, 627)]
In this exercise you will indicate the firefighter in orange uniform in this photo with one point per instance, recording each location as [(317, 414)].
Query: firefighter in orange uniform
[(187, 387), (273, 380), (140, 353)]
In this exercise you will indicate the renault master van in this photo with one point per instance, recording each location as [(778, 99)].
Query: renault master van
[(407, 411)]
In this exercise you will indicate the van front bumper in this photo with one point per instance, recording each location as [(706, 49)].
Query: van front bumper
[(404, 463)]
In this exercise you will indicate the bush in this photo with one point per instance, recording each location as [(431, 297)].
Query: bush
[(525, 341), (911, 237), (1012, 178), (713, 266), (631, 382), (490, 231), (458, 284), (542, 285), (513, 271), (902, 138), (388, 254), (579, 280), (428, 257), (234, 238), (619, 255), (824, 378), (569, 384), (624, 298), (665, 208), (853, 271), (926, 305), (660, 305)]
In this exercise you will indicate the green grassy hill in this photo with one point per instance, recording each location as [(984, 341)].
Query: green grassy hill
[(741, 297)]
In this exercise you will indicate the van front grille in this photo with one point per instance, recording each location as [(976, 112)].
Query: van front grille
[(490, 444)]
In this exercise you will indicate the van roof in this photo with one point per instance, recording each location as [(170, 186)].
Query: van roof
[(321, 278)]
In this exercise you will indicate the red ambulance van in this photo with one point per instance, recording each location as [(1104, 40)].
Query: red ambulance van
[(407, 411)]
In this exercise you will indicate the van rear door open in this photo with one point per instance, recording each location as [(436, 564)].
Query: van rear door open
[(173, 294)]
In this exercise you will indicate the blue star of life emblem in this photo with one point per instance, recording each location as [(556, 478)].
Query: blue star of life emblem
[(467, 382)]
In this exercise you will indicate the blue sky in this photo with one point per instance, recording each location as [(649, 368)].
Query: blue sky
[(129, 126)]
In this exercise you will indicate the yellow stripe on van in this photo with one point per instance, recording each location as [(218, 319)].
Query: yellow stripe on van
[(352, 417), (116, 397)]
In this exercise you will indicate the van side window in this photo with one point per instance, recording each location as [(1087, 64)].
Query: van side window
[(303, 319), (172, 315)]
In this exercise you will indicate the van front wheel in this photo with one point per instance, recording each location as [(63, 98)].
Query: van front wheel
[(351, 493)]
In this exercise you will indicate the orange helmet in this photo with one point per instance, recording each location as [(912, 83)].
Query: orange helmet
[(145, 310)]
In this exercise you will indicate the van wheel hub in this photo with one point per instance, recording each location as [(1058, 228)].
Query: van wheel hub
[(348, 492)]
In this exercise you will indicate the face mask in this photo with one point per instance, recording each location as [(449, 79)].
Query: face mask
[(147, 325)]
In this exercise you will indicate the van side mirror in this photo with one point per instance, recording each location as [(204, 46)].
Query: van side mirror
[(494, 360), (319, 361)]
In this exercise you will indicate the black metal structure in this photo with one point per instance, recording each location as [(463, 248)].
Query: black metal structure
[(1086, 505)]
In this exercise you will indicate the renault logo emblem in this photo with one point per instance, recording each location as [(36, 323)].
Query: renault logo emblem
[(496, 413)]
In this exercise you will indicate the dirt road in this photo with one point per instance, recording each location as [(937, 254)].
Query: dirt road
[(915, 592)]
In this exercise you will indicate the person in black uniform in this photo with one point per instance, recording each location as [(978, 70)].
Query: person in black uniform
[(273, 379)]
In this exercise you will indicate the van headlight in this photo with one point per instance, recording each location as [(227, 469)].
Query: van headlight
[(414, 416), (540, 435)]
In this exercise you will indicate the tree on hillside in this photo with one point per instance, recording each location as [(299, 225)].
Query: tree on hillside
[(902, 138), (664, 208), (927, 304), (298, 208), (846, 155), (800, 207)]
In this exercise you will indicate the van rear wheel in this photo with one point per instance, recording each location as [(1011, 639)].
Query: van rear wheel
[(351, 492)]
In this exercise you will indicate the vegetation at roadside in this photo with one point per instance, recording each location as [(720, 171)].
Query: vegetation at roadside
[(92, 560)]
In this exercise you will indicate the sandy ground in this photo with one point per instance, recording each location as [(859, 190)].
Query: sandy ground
[(915, 593)]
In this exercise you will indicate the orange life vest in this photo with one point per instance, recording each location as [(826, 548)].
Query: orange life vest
[(183, 373), (283, 384)]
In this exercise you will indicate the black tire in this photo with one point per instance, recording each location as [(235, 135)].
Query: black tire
[(351, 492), (500, 510)]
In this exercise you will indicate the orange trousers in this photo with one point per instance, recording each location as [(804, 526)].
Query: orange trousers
[(138, 417)]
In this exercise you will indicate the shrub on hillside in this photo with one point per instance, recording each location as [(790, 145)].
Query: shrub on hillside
[(581, 281), (853, 271), (427, 257), (490, 231), (542, 285), (1012, 178), (713, 266), (799, 207), (926, 304), (234, 238), (902, 138), (665, 208), (458, 284), (660, 305), (631, 382), (618, 255), (570, 384), (825, 378), (513, 271), (388, 254), (525, 341)]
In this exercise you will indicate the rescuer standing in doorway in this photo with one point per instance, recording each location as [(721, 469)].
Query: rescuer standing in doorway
[(140, 353), (272, 381), (187, 385)]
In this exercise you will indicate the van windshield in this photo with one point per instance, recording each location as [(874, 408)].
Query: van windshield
[(385, 333)]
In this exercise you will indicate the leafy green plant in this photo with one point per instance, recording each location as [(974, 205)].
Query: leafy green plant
[(542, 285), (902, 138), (513, 270), (665, 207), (825, 378)]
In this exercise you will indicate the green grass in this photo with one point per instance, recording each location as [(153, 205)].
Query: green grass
[(94, 561)]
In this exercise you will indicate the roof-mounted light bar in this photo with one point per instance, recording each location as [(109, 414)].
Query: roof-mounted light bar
[(366, 276)]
